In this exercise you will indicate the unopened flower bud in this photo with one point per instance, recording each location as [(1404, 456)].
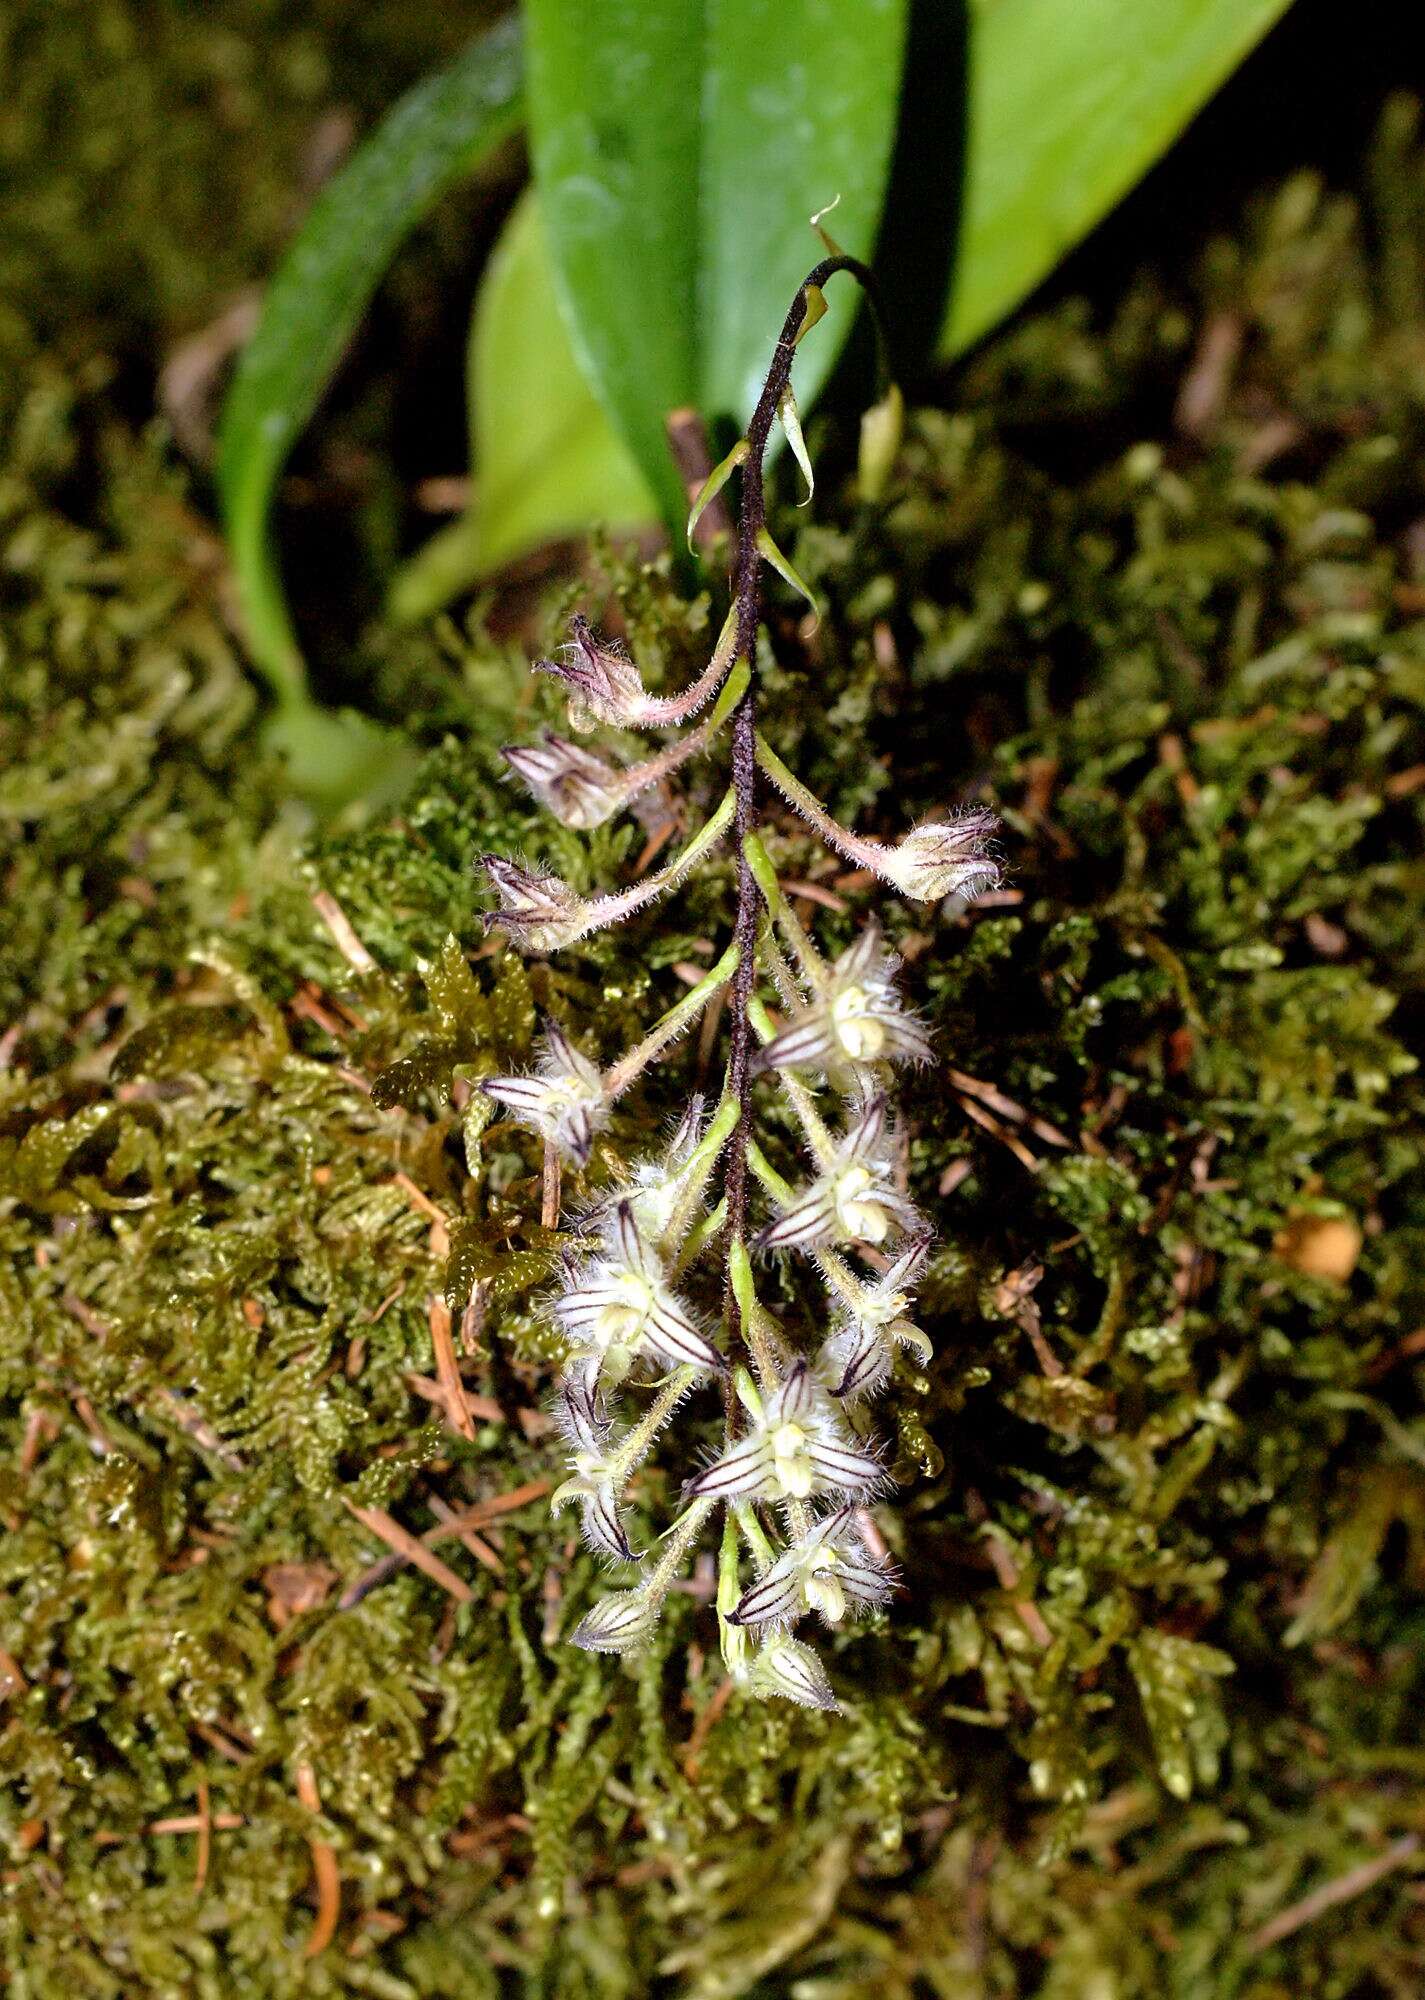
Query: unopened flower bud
[(620, 1622), (595, 1471), (538, 910), (604, 685), (944, 858), (579, 789), (792, 1670)]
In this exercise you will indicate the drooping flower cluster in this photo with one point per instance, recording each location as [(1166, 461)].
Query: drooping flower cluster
[(659, 1294)]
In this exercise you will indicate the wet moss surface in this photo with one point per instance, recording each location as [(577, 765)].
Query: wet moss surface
[(1146, 1717)]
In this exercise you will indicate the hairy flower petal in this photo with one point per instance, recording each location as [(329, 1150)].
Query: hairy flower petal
[(603, 683), (855, 1199), (796, 1445), (743, 1469), (617, 1307), (839, 1466), (537, 909), (856, 1017)]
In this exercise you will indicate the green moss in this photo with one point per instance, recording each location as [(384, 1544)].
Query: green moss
[(1157, 1671)]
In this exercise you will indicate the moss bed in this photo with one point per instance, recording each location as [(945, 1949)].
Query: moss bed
[(1146, 1719)]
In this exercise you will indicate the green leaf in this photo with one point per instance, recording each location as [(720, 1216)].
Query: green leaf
[(714, 484), (547, 462), (773, 555), (438, 131), (180, 1038), (680, 147), (1070, 102)]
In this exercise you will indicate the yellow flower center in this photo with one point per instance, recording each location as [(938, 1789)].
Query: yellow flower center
[(623, 1320), (791, 1468), (865, 1219), (824, 1593), (860, 1034)]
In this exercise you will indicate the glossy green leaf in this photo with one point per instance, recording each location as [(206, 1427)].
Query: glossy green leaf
[(1070, 102), (438, 131), (546, 460), (680, 147)]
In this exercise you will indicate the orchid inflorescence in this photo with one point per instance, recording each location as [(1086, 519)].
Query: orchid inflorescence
[(799, 1466)]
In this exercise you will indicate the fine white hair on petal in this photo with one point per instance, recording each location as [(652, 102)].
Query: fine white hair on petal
[(603, 1530), (617, 1307), (579, 789), (774, 1599), (858, 1360), (743, 1469), (855, 1018), (604, 684), (537, 909)]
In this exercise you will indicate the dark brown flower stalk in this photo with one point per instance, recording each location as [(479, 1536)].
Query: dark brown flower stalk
[(747, 597), (797, 1462)]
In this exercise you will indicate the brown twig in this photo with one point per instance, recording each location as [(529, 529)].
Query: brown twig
[(436, 1215), (412, 1550), (172, 1406), (447, 1369), (483, 1407), (452, 1528), (812, 892), (702, 1729), (307, 1006), (325, 1872), (343, 936), (225, 1745), (485, 1511), (222, 1822), (995, 1098), (476, 1544), (657, 840), (1354, 1882), (1001, 1132), (205, 1837), (1007, 1575)]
